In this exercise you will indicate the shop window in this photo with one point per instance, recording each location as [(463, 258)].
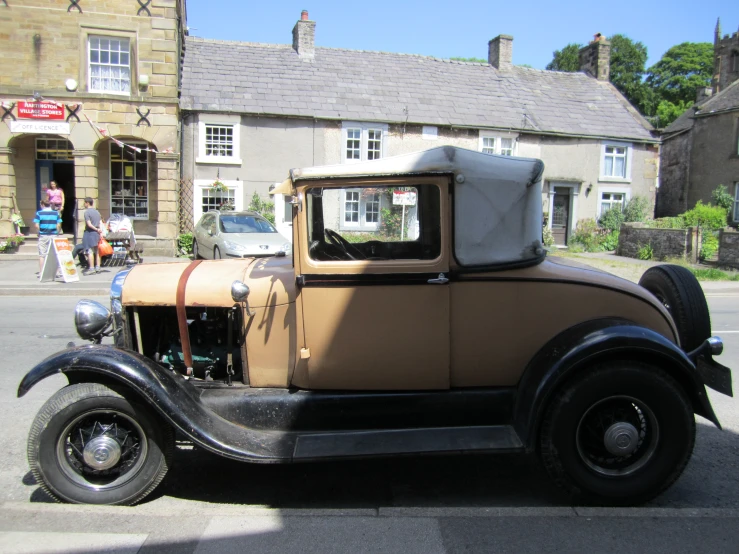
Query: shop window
[(129, 180)]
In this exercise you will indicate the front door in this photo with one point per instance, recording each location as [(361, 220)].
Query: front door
[(63, 173), (561, 216), (373, 289)]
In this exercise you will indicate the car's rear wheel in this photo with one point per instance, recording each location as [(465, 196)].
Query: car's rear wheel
[(619, 434), (680, 292), (89, 444), (216, 253), (195, 250)]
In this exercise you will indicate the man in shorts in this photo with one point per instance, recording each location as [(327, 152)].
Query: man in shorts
[(91, 237), (48, 223)]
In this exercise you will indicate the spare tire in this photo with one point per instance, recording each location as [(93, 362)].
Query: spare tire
[(678, 289)]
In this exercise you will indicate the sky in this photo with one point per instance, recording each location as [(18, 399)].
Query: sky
[(463, 28)]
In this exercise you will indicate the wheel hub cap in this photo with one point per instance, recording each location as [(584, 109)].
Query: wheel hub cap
[(621, 439), (102, 452)]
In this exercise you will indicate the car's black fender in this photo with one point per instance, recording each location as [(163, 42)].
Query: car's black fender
[(170, 394), (586, 344)]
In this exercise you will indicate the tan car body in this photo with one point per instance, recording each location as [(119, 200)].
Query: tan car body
[(480, 330)]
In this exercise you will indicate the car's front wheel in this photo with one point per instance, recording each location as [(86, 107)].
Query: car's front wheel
[(91, 445), (216, 253), (195, 250), (619, 434)]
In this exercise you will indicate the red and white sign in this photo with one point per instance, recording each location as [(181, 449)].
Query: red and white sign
[(40, 110), (404, 197)]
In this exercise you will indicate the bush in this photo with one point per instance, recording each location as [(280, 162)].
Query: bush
[(709, 245), (184, 244), (645, 252), (547, 236), (714, 275), (610, 241), (589, 235), (705, 216), (262, 207), (668, 223), (637, 209), (612, 219), (721, 197)]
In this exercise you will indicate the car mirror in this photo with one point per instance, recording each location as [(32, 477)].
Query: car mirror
[(210, 232)]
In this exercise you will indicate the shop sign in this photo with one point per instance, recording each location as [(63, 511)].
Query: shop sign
[(40, 110), (31, 126), (60, 259)]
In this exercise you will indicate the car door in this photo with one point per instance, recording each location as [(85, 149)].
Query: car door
[(205, 241), (373, 286)]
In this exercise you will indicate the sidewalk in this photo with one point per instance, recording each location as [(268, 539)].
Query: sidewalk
[(18, 278)]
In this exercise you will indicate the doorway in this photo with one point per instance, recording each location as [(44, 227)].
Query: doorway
[(561, 216), (63, 173)]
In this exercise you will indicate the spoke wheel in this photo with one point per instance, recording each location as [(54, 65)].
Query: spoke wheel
[(95, 444), (619, 433)]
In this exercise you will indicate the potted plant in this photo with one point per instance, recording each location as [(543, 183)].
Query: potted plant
[(218, 186)]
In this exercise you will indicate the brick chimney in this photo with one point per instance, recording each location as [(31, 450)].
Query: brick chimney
[(595, 58), (304, 36), (500, 52)]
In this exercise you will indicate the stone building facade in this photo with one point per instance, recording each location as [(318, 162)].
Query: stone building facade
[(251, 112), (700, 149), (89, 95)]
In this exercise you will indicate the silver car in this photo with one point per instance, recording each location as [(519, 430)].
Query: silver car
[(236, 235)]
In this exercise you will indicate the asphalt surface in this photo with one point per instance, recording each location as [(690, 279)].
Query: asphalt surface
[(416, 504)]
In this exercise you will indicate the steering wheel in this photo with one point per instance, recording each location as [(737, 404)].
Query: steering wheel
[(349, 249)]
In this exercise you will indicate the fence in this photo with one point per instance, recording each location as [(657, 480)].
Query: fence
[(665, 243)]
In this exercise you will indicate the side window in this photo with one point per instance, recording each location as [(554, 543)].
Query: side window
[(374, 223)]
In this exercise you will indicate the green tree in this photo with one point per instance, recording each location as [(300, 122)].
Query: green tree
[(628, 60), (681, 71), (478, 60), (567, 59)]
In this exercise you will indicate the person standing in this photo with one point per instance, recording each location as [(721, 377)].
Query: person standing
[(48, 222), (55, 196), (91, 236)]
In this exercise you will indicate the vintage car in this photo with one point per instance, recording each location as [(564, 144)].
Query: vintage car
[(418, 314)]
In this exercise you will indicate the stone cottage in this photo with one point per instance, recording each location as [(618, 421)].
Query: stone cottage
[(700, 149), (89, 94), (250, 112)]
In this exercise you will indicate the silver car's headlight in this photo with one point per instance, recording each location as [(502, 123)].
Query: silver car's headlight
[(234, 245), (286, 248), (91, 319)]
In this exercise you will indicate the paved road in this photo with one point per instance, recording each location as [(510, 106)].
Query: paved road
[(434, 504)]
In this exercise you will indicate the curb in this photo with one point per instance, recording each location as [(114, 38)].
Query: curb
[(53, 291)]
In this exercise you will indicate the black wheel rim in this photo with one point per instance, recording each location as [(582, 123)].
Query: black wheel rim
[(101, 449), (617, 436)]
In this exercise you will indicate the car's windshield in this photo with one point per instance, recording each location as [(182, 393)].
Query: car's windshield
[(245, 224)]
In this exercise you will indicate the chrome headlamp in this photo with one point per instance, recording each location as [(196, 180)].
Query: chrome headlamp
[(92, 320)]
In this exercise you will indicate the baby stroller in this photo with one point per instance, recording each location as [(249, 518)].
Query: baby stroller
[(119, 223)]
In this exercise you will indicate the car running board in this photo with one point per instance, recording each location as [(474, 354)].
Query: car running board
[(345, 444)]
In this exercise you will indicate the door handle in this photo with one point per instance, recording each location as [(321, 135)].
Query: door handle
[(440, 280)]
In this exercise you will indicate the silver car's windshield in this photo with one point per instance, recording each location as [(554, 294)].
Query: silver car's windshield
[(245, 224)]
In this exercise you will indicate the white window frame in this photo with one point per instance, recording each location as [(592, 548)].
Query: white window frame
[(122, 197), (90, 38), (362, 224), (201, 184), (628, 157), (221, 120), (364, 140), (497, 146), (626, 191)]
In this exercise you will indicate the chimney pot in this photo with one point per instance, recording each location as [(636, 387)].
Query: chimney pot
[(304, 15), (500, 52)]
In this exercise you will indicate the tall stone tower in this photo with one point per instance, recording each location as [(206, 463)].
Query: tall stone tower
[(725, 59)]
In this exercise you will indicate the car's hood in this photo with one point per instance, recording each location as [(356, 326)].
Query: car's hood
[(271, 280), (255, 240)]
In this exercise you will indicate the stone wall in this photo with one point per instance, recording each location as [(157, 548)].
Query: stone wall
[(728, 248), (665, 243)]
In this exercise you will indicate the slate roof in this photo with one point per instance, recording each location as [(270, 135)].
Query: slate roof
[(727, 99), (240, 77)]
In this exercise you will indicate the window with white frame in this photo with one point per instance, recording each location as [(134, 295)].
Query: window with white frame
[(735, 211), (207, 198), (491, 143), (109, 68), (615, 162), (362, 141), (129, 179), (219, 141), (360, 209), (610, 200)]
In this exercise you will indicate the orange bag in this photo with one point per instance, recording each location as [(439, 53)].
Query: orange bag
[(104, 248)]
